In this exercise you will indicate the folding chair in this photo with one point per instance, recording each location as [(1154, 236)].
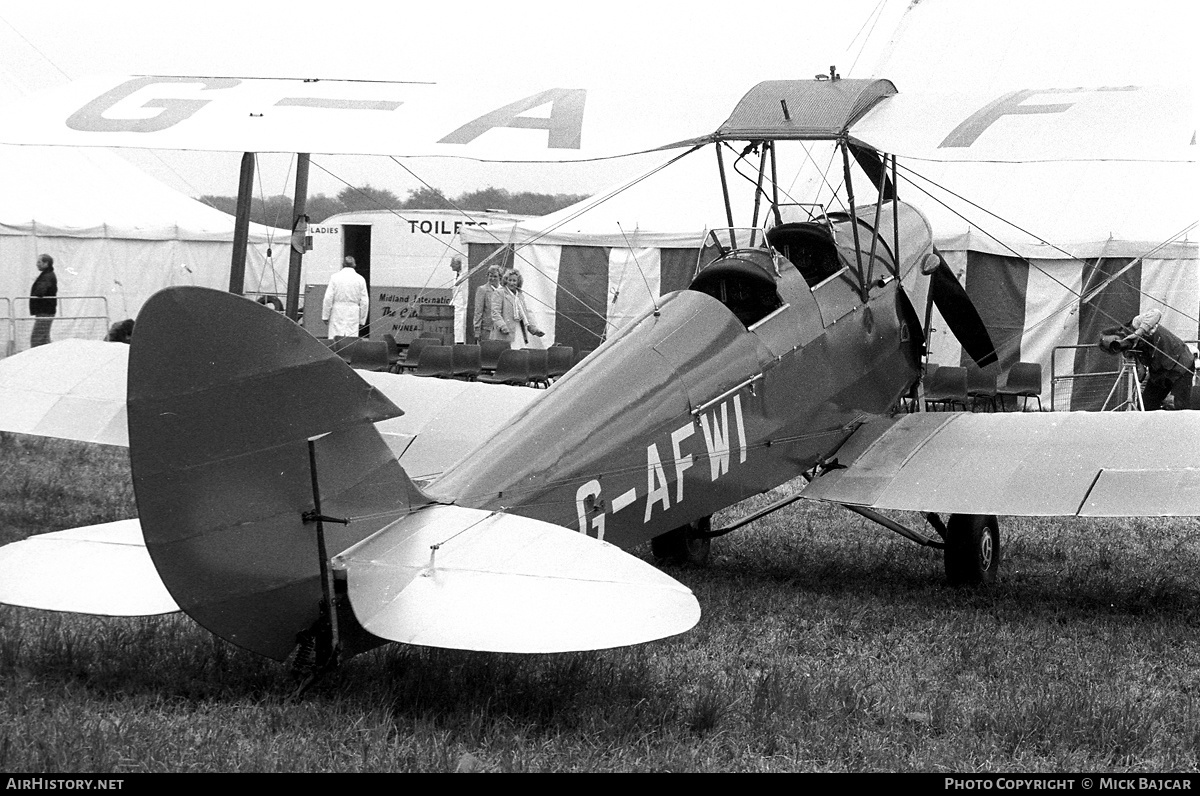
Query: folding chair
[(981, 386), (369, 355), (489, 353), (513, 368), (393, 349), (1024, 381), (413, 355), (538, 376), (436, 361), (467, 362), (559, 359), (946, 386), (343, 347)]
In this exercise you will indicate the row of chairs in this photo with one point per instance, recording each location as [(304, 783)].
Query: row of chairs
[(948, 387), (533, 367), (383, 354), (492, 361), (361, 354)]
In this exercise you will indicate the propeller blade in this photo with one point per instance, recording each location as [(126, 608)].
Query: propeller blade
[(448, 576), (960, 314)]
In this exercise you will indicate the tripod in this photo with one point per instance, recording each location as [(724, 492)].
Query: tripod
[(1127, 378)]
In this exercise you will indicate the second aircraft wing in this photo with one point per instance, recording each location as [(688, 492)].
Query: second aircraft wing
[(1091, 464)]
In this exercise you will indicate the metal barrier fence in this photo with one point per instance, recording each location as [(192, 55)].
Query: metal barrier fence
[(8, 331), (84, 317), (1081, 390)]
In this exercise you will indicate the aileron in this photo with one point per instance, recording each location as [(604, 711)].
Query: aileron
[(1025, 464)]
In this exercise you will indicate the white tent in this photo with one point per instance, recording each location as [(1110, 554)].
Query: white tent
[(116, 236)]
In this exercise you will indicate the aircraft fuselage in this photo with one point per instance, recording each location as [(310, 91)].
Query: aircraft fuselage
[(689, 409)]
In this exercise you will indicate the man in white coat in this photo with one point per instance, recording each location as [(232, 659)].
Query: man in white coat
[(458, 300), (346, 301)]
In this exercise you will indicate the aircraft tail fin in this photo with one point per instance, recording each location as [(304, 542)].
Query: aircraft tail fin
[(224, 396)]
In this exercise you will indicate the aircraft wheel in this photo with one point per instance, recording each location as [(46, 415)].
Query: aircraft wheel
[(972, 553), (684, 545)]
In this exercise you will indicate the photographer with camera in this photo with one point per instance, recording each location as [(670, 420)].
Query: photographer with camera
[(1169, 363)]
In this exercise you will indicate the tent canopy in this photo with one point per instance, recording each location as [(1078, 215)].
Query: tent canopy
[(89, 193), (117, 236)]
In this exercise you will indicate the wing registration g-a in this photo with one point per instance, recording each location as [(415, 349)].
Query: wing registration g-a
[(481, 120)]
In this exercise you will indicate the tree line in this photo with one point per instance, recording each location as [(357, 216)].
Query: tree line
[(276, 211)]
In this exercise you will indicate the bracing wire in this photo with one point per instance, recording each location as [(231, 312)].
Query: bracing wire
[(1076, 296), (641, 272), (1068, 255)]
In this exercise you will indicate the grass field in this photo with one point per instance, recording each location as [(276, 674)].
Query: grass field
[(826, 644)]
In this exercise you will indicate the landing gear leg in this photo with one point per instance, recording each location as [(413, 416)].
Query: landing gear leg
[(972, 554), (685, 545)]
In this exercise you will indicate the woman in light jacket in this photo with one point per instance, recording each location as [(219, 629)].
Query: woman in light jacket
[(510, 321)]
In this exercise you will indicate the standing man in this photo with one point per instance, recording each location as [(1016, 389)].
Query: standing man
[(43, 305), (458, 300), (346, 301), (483, 304)]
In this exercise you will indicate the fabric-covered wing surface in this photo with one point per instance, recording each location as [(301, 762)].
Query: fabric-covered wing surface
[(72, 389), (1097, 464), (485, 118), (448, 576), (1035, 124), (100, 569), (75, 389), (444, 419)]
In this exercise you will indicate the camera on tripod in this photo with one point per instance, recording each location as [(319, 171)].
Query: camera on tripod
[(1115, 344)]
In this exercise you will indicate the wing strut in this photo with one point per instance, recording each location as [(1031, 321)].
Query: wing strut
[(241, 225), (299, 233)]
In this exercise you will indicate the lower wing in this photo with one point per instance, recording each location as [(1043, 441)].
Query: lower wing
[(1088, 464)]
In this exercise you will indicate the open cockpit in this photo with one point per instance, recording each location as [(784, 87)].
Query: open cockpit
[(809, 246), (743, 280)]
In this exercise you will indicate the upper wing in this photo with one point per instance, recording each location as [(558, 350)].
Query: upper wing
[(496, 120), (1055, 124), (1097, 464)]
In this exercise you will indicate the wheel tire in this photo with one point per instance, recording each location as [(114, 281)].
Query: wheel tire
[(684, 545), (972, 553)]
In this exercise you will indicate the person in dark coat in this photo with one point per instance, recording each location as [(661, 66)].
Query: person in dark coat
[(1169, 363), (120, 332), (43, 305)]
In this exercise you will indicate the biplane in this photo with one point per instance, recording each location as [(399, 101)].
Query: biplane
[(288, 503)]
